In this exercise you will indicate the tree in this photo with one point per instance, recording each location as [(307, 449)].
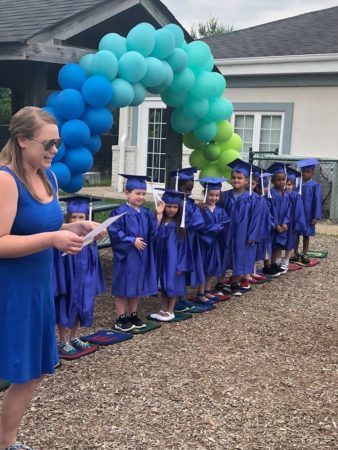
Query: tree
[(210, 27), (5, 106)]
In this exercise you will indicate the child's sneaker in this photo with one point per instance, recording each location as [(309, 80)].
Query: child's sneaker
[(79, 345), (305, 259), (67, 349), (136, 321), (258, 277), (220, 287), (284, 268), (271, 272), (295, 257), (236, 289), (245, 285), (123, 323), (227, 282)]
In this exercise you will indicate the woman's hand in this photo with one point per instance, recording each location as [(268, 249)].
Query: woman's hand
[(67, 241), (83, 227), (140, 244)]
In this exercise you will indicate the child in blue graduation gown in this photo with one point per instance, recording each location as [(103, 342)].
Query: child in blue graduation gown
[(210, 237), (173, 254), (311, 193), (78, 279), (132, 242)]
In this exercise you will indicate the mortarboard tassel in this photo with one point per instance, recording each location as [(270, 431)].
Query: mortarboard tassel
[(269, 188), (183, 212), (176, 181), (300, 183), (205, 193), (262, 183), (250, 181), (90, 214), (286, 176)]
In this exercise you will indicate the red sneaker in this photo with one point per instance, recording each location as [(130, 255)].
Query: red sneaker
[(245, 284), (227, 282), (258, 277)]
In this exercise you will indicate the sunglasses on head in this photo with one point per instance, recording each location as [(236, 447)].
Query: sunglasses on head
[(48, 145)]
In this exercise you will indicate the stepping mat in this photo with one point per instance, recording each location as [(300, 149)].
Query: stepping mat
[(293, 267), (317, 253), (107, 337), (4, 384), (150, 326), (198, 309), (78, 354), (312, 263), (178, 318)]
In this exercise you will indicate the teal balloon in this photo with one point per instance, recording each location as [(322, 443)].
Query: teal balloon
[(172, 98), (178, 60), (203, 87), (104, 63), (219, 83), (198, 54), (183, 81), (209, 65), (219, 110), (180, 122), (139, 94), (114, 43), (167, 80), (195, 107), (164, 44), (155, 72), (141, 39), (123, 93), (177, 33), (86, 62), (132, 67), (205, 131)]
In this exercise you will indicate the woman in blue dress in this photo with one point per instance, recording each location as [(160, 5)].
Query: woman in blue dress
[(31, 225)]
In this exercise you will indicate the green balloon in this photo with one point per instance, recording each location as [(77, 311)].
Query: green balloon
[(197, 159), (210, 171), (211, 152), (227, 157), (224, 131), (227, 173), (190, 141), (234, 143)]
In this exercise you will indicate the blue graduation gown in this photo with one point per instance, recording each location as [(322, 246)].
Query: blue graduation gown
[(174, 260), (297, 223), (134, 271), (264, 247), (210, 240), (279, 206), (83, 281), (226, 202), (312, 200)]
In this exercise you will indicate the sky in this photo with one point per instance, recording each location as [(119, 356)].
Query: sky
[(241, 13)]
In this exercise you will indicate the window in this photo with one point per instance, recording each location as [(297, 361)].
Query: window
[(244, 126), (156, 151)]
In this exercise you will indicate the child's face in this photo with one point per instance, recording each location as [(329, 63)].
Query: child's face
[(308, 174), (289, 185), (279, 181), (171, 210), (238, 181), (76, 217), (136, 197), (212, 197), (254, 183), (186, 187)]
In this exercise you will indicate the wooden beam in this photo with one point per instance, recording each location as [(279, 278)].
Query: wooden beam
[(59, 54), (12, 51)]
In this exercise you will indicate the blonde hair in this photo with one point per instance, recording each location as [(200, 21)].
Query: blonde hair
[(25, 123)]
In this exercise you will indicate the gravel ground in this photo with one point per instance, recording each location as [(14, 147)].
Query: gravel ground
[(259, 372)]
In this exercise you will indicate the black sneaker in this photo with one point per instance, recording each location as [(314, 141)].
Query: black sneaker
[(270, 271), (236, 289), (123, 323), (136, 321), (220, 287), (281, 269)]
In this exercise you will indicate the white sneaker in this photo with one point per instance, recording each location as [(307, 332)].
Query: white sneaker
[(163, 316)]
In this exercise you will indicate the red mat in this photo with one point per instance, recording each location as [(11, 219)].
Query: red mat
[(78, 354), (293, 267), (313, 262)]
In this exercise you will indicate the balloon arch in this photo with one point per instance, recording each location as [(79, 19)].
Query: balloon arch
[(119, 74)]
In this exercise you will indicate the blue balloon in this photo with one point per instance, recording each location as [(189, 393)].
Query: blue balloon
[(114, 43), (62, 173), (72, 76), (167, 80), (70, 104), (205, 131), (60, 153), (139, 94), (164, 44), (75, 133), (132, 67), (94, 144), (183, 81), (141, 38), (180, 122), (86, 62), (177, 32), (75, 184), (123, 93), (53, 113), (99, 120), (172, 98), (51, 99), (178, 60), (78, 160), (97, 91), (104, 63), (155, 72)]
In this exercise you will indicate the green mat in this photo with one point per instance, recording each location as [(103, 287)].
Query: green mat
[(150, 326), (4, 385), (178, 318), (317, 254)]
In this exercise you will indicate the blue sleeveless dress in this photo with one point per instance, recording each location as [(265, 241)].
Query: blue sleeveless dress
[(27, 314)]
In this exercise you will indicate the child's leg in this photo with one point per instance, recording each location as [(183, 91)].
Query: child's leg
[(74, 331), (62, 333), (297, 245), (120, 305), (171, 304), (276, 256), (306, 243), (133, 304), (207, 286)]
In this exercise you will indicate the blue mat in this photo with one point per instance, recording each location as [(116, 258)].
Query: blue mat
[(107, 337)]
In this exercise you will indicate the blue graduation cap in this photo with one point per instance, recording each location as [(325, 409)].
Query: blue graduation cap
[(309, 163), (173, 197), (135, 181), (237, 165), (278, 167), (211, 184), (80, 204), (186, 174), (292, 174)]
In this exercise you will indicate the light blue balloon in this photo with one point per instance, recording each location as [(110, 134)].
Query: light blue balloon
[(99, 120), (86, 62), (132, 67), (195, 107), (141, 39), (70, 104), (205, 131), (114, 43), (198, 54), (172, 98), (204, 86), (51, 99), (180, 122), (178, 60), (94, 144), (164, 44), (219, 110), (139, 94), (52, 112), (219, 83), (183, 81), (155, 72), (72, 76), (123, 93), (62, 173), (75, 184), (104, 63), (177, 32), (209, 65), (75, 133), (60, 153), (97, 91), (78, 160)]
